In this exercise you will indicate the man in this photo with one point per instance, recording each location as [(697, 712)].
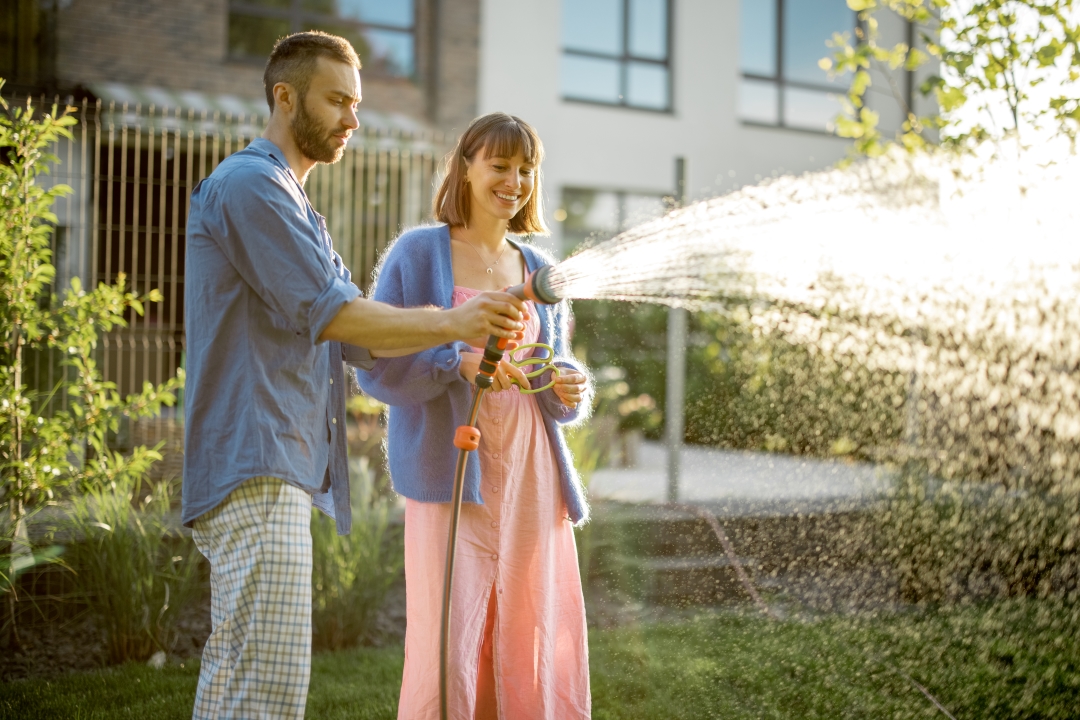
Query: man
[(271, 315)]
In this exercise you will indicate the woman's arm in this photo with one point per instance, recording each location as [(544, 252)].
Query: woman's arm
[(415, 378)]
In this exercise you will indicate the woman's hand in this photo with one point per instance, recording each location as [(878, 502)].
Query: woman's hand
[(505, 374), (570, 388)]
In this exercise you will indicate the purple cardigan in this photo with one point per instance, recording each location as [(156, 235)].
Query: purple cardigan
[(427, 396)]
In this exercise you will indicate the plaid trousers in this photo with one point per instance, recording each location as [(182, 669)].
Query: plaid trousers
[(257, 661)]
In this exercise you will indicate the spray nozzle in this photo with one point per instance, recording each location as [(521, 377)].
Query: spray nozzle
[(537, 287)]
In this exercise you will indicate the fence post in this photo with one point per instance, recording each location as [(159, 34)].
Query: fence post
[(674, 407)]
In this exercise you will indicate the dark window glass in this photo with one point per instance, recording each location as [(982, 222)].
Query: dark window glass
[(253, 36), (600, 214), (381, 31), (394, 13), (616, 52), (781, 42), (391, 52)]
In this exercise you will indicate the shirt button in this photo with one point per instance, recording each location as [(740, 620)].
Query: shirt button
[(334, 421), (495, 455), (331, 381)]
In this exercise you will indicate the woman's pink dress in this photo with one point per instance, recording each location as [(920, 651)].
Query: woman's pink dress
[(517, 632)]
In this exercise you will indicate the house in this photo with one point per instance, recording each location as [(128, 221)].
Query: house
[(621, 91)]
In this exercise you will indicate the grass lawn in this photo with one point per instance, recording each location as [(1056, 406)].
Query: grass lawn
[(1010, 660)]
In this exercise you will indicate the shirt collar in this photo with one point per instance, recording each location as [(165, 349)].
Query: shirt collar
[(271, 150)]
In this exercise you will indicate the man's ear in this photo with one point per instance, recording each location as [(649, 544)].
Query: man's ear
[(284, 97)]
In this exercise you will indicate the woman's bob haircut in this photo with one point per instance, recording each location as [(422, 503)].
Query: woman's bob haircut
[(493, 135)]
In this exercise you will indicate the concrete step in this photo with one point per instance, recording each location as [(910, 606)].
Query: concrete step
[(665, 555), (686, 581)]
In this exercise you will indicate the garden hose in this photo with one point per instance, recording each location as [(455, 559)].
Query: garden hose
[(467, 438)]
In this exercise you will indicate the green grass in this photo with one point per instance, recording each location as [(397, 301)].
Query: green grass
[(1009, 660)]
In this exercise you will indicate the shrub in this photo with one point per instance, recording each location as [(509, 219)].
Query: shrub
[(131, 565), (44, 449), (352, 574)]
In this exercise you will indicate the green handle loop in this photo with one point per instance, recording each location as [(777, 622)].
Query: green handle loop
[(544, 363)]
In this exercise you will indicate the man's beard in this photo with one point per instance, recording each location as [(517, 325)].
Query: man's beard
[(313, 139)]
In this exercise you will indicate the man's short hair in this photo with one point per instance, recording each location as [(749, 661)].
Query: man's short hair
[(294, 57)]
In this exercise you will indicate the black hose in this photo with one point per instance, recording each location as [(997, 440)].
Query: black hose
[(448, 580)]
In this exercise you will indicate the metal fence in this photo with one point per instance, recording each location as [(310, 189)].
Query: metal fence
[(132, 169)]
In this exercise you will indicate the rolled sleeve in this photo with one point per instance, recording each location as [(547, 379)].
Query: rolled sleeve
[(357, 357), (328, 304)]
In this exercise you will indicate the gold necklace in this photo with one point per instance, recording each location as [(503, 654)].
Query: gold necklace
[(485, 262)]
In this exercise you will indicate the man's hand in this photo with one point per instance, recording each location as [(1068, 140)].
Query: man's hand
[(489, 313), (570, 388), (505, 375)]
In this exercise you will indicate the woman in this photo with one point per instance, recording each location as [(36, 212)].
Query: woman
[(518, 641)]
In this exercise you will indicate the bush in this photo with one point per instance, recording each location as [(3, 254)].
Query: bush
[(352, 574), (131, 565), (45, 449), (748, 387)]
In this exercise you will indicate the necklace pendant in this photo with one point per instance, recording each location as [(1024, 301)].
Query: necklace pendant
[(489, 271)]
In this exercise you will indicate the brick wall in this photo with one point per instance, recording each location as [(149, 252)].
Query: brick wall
[(182, 45)]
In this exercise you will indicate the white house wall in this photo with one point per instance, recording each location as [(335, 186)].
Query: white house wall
[(614, 148)]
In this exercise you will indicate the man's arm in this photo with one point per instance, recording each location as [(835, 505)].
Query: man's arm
[(389, 331)]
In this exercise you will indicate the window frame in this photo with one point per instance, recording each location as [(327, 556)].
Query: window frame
[(621, 194), (625, 59), (300, 19), (780, 82)]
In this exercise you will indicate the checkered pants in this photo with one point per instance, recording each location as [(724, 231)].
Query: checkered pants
[(257, 660)]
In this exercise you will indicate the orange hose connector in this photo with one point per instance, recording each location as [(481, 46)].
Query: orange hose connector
[(467, 438)]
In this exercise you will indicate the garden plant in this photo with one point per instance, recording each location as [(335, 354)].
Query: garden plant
[(54, 441)]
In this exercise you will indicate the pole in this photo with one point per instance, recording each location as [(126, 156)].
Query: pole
[(676, 368)]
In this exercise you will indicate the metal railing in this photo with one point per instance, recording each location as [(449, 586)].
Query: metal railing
[(132, 170)]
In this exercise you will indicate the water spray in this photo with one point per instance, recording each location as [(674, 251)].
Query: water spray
[(540, 287)]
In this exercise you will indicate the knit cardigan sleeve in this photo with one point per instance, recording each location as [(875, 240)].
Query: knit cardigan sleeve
[(408, 278)]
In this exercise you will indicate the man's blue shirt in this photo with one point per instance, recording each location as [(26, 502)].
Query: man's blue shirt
[(262, 281)]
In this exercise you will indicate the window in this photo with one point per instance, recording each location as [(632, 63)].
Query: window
[(28, 45), (381, 31), (601, 214), (780, 43), (617, 52)]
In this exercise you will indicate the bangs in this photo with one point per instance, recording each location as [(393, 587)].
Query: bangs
[(507, 139)]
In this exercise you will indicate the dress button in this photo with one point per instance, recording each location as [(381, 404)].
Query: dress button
[(494, 488), (496, 421), (494, 556), (495, 456), (494, 524)]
